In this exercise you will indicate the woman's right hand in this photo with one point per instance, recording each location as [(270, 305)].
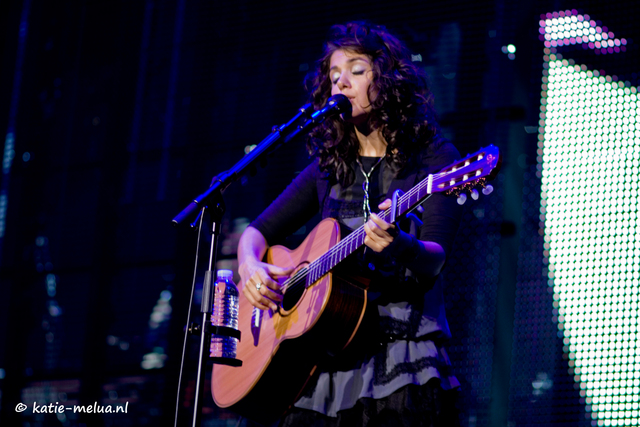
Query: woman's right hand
[(261, 287)]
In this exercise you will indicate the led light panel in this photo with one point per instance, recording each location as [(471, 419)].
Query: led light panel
[(589, 150), (570, 27)]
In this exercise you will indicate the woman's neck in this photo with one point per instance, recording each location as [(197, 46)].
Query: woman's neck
[(372, 143)]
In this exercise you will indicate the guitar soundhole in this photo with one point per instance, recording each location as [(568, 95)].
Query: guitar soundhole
[(293, 294)]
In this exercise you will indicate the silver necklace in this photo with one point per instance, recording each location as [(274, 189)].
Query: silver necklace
[(366, 208)]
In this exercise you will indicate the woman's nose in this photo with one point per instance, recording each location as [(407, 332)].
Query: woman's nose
[(343, 82)]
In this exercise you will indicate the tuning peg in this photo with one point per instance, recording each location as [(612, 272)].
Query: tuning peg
[(487, 190), (462, 198), (474, 194)]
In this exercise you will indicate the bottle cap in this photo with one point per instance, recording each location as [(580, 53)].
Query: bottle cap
[(225, 275)]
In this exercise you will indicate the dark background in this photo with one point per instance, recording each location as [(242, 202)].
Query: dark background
[(122, 111)]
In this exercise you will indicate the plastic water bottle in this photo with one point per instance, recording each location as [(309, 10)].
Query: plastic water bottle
[(225, 313)]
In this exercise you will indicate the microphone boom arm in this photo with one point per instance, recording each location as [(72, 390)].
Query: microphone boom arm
[(338, 104)]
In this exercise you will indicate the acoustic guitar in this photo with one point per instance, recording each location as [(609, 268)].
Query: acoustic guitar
[(321, 311)]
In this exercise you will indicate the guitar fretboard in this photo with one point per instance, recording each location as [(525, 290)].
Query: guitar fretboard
[(355, 240), (461, 174)]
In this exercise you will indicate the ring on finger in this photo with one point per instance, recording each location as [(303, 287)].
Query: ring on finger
[(258, 286)]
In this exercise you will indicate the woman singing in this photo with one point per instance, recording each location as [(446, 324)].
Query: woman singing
[(396, 372)]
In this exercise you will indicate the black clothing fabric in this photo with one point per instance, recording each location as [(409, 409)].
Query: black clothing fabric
[(410, 406)]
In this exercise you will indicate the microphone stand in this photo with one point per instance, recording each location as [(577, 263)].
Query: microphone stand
[(272, 142), (335, 105), (213, 198)]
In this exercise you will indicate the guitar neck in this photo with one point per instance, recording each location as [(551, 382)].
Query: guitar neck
[(355, 240), (461, 175)]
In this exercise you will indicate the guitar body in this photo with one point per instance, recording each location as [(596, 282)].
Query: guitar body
[(281, 354)]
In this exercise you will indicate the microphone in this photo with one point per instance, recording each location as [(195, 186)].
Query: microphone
[(337, 104)]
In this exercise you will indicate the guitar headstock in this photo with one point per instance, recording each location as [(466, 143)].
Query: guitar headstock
[(466, 175)]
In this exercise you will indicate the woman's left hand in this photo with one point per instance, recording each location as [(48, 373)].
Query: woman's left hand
[(380, 233), (424, 258)]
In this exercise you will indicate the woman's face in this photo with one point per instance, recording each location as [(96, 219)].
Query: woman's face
[(351, 75)]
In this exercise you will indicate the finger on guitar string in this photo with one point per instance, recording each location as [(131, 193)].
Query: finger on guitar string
[(253, 300), (381, 227), (385, 205), (379, 233), (268, 294), (262, 298)]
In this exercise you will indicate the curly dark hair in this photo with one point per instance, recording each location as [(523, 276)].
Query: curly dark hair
[(402, 107)]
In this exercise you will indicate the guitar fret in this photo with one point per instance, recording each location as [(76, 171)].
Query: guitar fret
[(310, 276)]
